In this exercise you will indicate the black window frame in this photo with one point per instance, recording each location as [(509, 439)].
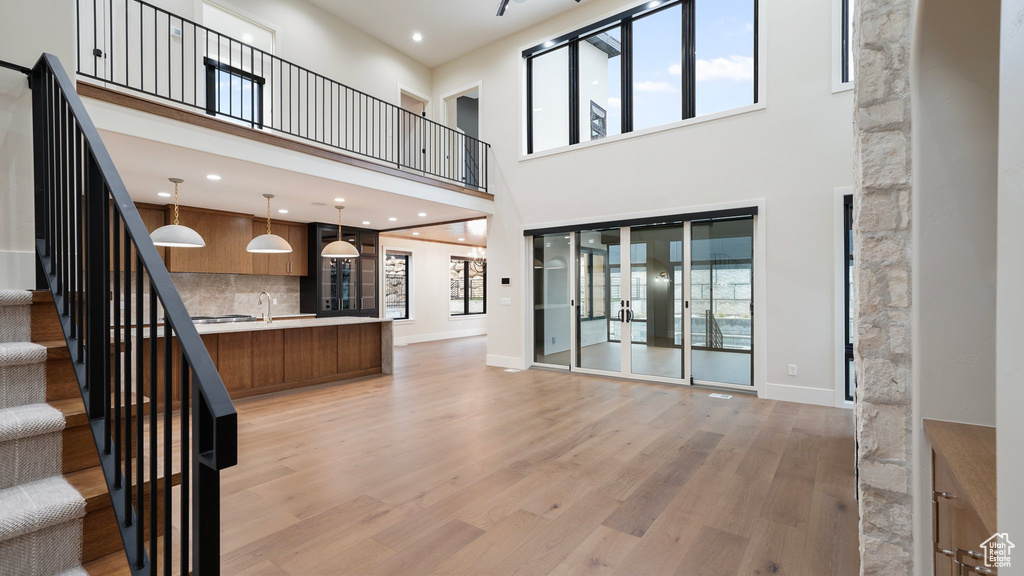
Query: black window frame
[(407, 278), (467, 292), (625, 20), (846, 61), (213, 104), (850, 384)]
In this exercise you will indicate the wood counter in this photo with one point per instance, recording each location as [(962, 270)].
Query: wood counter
[(257, 358)]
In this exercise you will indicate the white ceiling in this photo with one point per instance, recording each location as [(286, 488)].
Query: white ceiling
[(450, 28), (145, 165)]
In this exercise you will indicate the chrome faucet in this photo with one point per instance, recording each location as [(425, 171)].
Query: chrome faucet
[(259, 302)]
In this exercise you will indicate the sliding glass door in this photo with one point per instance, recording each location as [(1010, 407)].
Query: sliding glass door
[(552, 308), (675, 307), (721, 301), (599, 298), (657, 306)]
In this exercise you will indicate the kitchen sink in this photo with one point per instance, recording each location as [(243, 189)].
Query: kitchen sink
[(227, 318)]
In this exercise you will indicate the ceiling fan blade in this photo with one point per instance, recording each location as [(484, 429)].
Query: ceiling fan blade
[(502, 4)]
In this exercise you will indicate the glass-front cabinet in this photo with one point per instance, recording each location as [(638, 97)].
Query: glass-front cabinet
[(340, 286)]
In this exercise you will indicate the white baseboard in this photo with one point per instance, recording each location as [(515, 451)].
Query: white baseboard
[(506, 362), (17, 270), (417, 338), (801, 394)]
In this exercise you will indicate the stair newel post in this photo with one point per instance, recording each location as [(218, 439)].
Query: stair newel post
[(205, 491), (94, 244)]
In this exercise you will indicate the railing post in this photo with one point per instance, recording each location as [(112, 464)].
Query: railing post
[(205, 491), (39, 129), (96, 326)]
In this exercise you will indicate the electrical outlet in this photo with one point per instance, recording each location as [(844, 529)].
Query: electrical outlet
[(792, 369), (506, 301), (275, 301), (175, 31)]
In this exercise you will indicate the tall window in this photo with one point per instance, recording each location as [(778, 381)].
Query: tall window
[(468, 287), (851, 382), (649, 66), (847, 43), (396, 285)]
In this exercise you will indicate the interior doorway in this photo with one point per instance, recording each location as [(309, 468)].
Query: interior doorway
[(462, 114), (414, 133)]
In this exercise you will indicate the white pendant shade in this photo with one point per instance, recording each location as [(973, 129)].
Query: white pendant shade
[(174, 235), (269, 244), (340, 249), (177, 236)]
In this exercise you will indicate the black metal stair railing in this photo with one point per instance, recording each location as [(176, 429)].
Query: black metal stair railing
[(95, 254), (135, 45)]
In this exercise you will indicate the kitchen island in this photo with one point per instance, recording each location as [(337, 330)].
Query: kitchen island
[(258, 358)]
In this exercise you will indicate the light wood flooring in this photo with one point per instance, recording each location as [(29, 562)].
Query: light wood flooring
[(451, 467)]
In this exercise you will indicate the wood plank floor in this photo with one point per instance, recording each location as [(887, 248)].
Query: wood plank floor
[(451, 467)]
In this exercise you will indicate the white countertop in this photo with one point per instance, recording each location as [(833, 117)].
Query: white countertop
[(310, 322)]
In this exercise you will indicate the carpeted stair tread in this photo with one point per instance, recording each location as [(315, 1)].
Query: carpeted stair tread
[(15, 316), (37, 505), (30, 420), (15, 298), (21, 353)]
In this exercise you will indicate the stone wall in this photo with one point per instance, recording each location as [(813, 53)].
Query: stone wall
[(882, 280)]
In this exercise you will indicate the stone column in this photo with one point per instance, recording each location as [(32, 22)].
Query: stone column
[(882, 280)]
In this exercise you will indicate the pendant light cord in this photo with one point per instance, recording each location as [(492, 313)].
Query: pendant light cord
[(268, 215), (339, 223), (175, 203)]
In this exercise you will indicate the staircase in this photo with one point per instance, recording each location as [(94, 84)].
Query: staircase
[(88, 464), (41, 514)]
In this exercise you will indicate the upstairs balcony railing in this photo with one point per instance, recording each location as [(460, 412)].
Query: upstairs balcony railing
[(135, 45)]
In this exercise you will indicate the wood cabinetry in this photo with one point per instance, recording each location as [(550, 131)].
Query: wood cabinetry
[(226, 235), (963, 496), (294, 263), (153, 217)]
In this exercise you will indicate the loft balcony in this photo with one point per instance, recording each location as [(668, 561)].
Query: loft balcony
[(138, 55)]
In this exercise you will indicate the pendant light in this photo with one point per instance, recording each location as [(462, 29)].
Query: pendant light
[(339, 248), (175, 235), (268, 243)]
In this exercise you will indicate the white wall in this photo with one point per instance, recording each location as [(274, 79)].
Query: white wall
[(430, 266), (27, 29), (1009, 305), (955, 80), (793, 154)]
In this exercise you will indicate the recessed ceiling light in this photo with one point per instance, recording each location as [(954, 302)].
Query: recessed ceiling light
[(417, 37), (212, 177), (549, 44), (282, 211), (653, 4), (164, 194), (415, 233), (422, 214), (339, 199), (366, 222), (392, 219), (462, 239)]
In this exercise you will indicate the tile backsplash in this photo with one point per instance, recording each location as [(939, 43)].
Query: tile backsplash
[(219, 294)]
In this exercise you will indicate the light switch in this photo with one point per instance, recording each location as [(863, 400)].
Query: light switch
[(275, 301), (506, 301)]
